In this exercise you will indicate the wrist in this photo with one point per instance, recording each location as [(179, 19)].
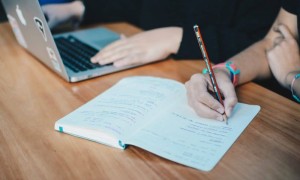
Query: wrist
[(221, 69), (289, 78), (229, 69), (295, 87), (177, 33)]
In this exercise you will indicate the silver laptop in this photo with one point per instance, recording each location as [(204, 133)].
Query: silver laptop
[(67, 54)]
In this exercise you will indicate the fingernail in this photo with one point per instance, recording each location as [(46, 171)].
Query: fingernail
[(220, 118), (220, 110), (92, 59)]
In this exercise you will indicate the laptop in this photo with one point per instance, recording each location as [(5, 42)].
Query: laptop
[(67, 54)]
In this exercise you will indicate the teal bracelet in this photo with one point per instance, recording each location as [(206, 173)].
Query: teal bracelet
[(234, 72), (292, 84)]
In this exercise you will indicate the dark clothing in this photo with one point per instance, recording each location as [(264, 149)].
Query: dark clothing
[(228, 26)]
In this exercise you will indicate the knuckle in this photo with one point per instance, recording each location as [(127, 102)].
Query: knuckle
[(196, 77), (214, 105), (211, 103), (187, 85), (232, 100)]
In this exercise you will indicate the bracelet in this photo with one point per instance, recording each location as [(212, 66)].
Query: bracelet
[(234, 72), (292, 84)]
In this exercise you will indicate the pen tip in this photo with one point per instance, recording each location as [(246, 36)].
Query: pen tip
[(225, 119)]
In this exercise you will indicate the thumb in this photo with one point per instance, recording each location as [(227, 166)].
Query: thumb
[(285, 32), (230, 98)]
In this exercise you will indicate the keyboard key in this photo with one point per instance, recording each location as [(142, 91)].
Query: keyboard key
[(76, 55)]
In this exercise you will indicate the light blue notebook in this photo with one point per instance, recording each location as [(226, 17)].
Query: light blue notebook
[(153, 114)]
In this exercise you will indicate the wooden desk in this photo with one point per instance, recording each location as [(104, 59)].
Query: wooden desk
[(32, 98)]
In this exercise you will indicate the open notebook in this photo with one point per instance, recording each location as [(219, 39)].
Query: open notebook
[(153, 114)]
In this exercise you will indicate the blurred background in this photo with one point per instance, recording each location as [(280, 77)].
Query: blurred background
[(2, 14)]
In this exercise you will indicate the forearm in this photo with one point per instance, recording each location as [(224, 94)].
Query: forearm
[(252, 62)]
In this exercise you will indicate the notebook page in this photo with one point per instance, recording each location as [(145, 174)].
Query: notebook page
[(181, 136), (123, 108)]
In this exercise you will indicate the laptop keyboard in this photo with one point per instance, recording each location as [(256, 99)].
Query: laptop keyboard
[(76, 55)]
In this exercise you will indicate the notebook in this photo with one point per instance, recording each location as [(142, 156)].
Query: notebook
[(67, 54), (153, 114)]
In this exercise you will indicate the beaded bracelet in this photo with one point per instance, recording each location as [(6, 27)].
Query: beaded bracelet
[(234, 72), (292, 84)]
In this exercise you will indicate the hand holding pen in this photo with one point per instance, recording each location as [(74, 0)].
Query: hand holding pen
[(199, 85)]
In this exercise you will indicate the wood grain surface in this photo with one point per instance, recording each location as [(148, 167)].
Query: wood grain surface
[(32, 98)]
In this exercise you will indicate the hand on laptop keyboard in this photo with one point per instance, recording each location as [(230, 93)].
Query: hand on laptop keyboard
[(75, 54), (145, 47)]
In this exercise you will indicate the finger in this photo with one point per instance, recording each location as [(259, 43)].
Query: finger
[(277, 41), (108, 50), (112, 55), (116, 44), (230, 100), (116, 56), (274, 54), (285, 32), (230, 106), (201, 94), (209, 83), (201, 109), (127, 61), (201, 82), (274, 50), (109, 53), (207, 99), (204, 111), (275, 28)]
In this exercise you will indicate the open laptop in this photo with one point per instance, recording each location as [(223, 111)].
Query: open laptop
[(67, 54)]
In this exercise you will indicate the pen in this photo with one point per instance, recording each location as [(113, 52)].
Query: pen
[(209, 68)]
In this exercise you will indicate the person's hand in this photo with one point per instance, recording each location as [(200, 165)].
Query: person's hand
[(145, 47), (201, 100), (58, 14), (284, 57)]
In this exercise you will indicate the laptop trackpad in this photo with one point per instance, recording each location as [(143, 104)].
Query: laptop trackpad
[(97, 38)]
